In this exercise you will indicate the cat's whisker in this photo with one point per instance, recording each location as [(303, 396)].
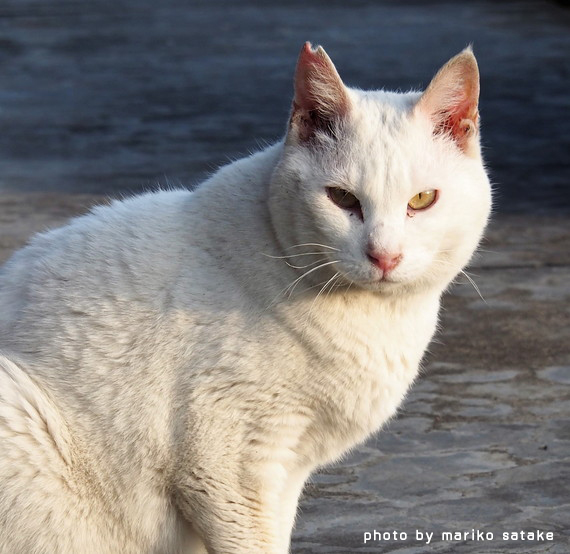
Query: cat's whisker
[(474, 284), (292, 255), (318, 285), (467, 276), (313, 244), (445, 263), (294, 266), (284, 291), (304, 266), (335, 284), (321, 291), (479, 249), (331, 280), (289, 290)]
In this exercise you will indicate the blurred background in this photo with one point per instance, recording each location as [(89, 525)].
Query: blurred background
[(115, 96)]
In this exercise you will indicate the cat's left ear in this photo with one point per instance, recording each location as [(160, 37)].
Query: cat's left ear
[(451, 101), (320, 98)]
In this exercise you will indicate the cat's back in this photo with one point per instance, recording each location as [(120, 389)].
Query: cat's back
[(106, 232), (112, 251), (136, 249)]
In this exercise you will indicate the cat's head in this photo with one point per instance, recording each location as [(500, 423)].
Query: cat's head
[(391, 186)]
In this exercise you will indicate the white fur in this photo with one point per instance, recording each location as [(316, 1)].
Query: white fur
[(162, 383)]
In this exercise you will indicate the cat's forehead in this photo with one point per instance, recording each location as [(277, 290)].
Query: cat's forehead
[(383, 152), (386, 141), (385, 108)]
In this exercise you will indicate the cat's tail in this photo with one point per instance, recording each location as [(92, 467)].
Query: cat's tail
[(32, 431)]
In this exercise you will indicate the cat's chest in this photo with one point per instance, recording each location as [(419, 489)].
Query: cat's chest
[(372, 369), (369, 358)]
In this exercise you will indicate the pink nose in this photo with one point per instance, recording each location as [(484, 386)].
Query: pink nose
[(384, 261)]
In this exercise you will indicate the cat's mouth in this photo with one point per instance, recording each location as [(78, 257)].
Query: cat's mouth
[(369, 277), (383, 282), (386, 279)]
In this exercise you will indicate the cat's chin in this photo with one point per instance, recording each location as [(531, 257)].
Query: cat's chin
[(381, 285)]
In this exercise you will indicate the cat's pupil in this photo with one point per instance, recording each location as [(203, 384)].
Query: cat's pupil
[(343, 199), (423, 200)]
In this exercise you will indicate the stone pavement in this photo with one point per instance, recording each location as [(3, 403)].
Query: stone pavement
[(483, 441)]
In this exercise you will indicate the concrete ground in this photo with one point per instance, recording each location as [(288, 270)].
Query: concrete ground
[(104, 97)]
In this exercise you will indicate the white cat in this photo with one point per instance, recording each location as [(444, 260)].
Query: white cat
[(176, 365)]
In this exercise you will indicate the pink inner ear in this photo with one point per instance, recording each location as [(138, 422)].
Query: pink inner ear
[(451, 99), (317, 83), (460, 121), (320, 95), (309, 66)]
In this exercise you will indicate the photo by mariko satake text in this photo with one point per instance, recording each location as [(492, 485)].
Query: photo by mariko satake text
[(473, 535)]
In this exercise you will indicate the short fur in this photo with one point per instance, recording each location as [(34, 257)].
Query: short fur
[(174, 366)]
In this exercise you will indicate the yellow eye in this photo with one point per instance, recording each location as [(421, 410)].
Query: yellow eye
[(423, 200), (343, 199)]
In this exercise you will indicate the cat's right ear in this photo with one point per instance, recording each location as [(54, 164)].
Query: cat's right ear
[(320, 95), (451, 100)]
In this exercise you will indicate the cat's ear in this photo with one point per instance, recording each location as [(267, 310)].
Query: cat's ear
[(451, 101), (320, 95)]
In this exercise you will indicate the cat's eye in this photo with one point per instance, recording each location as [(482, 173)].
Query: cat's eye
[(344, 199), (423, 200)]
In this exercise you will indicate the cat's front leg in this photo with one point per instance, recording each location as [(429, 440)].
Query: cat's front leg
[(234, 512), (289, 502)]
